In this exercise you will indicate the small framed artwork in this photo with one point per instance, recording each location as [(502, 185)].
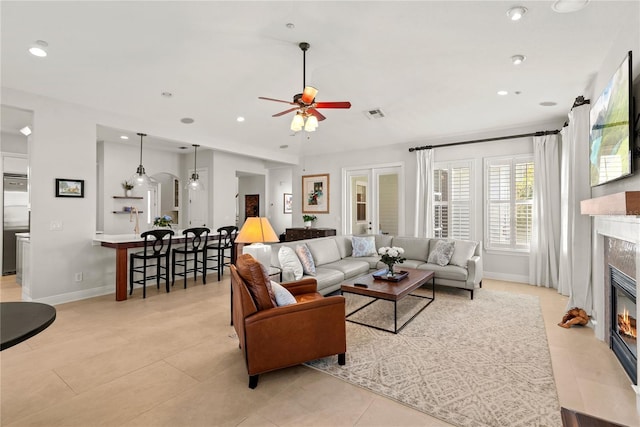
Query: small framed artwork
[(287, 202), (315, 193), (69, 187)]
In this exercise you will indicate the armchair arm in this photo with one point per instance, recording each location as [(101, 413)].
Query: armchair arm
[(302, 286)]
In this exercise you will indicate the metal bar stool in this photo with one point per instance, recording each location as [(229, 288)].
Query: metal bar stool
[(195, 243), (217, 252), (156, 247)]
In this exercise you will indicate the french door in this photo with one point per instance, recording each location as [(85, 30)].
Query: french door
[(373, 200)]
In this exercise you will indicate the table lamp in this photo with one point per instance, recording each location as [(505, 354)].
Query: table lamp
[(257, 231)]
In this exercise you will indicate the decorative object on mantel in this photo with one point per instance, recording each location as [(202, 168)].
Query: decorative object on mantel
[(625, 203), (391, 256), (575, 316), (128, 186), (163, 221), (315, 193), (308, 220)]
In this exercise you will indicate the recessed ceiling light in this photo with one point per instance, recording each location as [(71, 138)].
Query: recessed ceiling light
[(187, 120), (124, 137), (548, 103), (518, 59), (516, 13), (568, 6), (291, 25), (240, 119), (284, 146), (182, 148), (26, 131), (39, 49), (166, 94), (503, 92)]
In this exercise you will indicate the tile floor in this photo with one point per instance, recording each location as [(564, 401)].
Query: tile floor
[(172, 360)]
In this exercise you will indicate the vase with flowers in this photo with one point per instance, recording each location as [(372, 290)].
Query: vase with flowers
[(128, 186), (308, 219), (163, 221), (391, 256)]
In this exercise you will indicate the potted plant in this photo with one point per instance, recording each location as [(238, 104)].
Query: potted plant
[(163, 221), (127, 188), (308, 219)]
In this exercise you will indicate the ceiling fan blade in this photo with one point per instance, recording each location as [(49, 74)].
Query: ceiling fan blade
[(316, 113), (277, 100), (282, 113), (333, 105)]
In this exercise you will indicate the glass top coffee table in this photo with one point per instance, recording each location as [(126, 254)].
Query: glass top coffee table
[(377, 289)]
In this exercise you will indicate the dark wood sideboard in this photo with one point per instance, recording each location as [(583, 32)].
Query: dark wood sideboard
[(292, 234)]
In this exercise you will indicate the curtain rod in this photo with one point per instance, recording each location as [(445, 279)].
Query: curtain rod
[(499, 138)]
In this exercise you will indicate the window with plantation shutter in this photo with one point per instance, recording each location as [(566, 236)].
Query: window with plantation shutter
[(509, 190), (452, 200)]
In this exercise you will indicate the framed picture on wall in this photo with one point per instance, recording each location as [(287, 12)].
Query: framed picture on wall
[(69, 187), (315, 193), (287, 202)]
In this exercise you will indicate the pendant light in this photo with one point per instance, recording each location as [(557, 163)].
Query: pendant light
[(194, 183), (140, 178)]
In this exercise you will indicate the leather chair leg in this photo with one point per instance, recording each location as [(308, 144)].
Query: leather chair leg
[(342, 359), (253, 381)]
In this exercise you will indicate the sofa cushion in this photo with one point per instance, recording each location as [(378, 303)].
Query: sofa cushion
[(462, 251), (326, 277), (442, 252), (306, 259), (371, 260), (350, 267), (363, 246), (257, 280), (414, 247), (344, 245), (282, 295), (290, 261), (451, 272), (324, 251)]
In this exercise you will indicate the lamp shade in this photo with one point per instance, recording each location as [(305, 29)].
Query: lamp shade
[(297, 122), (257, 230)]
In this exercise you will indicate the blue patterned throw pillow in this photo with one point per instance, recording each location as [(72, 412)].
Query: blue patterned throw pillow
[(306, 259), (363, 246)]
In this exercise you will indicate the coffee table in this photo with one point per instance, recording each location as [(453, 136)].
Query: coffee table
[(390, 291)]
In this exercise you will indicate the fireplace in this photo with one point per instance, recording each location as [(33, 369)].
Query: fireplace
[(623, 331)]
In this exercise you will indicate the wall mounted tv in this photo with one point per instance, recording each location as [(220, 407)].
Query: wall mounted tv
[(611, 121)]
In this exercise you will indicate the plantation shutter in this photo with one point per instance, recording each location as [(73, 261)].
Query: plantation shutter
[(452, 201), (509, 189)]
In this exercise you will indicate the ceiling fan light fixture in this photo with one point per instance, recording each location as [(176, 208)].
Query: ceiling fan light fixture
[(312, 124), (309, 94), (297, 123)]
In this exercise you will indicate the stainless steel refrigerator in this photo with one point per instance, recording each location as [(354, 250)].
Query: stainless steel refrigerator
[(15, 216)]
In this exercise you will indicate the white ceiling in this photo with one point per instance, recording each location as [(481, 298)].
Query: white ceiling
[(433, 67)]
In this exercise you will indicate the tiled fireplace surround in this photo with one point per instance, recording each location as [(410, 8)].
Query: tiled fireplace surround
[(615, 237)]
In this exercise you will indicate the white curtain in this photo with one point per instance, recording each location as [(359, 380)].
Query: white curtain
[(545, 238), (424, 195), (575, 239)]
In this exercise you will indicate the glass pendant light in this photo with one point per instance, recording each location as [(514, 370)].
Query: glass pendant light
[(194, 183), (140, 178)]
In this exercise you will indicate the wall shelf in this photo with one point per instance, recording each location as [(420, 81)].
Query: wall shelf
[(128, 197), (126, 212)]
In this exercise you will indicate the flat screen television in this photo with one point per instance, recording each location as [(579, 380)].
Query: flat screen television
[(611, 121)]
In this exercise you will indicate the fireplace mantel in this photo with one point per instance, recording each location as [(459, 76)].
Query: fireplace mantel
[(625, 203)]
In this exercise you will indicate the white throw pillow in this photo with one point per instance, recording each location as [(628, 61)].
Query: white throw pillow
[(282, 294), (462, 252), (306, 259), (363, 246), (442, 252), (289, 261)]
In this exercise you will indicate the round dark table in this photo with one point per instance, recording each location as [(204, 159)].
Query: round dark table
[(22, 320)]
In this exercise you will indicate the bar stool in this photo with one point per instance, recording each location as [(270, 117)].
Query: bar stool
[(156, 247), (195, 243), (219, 249)]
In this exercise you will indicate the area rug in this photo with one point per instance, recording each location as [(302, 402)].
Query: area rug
[(481, 362)]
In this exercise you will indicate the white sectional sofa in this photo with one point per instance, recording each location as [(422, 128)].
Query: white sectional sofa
[(334, 261)]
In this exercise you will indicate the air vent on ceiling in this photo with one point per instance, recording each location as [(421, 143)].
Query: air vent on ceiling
[(375, 113)]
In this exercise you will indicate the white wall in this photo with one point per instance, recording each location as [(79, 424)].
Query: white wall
[(279, 183), (12, 143)]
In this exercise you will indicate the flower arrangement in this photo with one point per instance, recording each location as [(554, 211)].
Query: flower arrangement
[(391, 256), (163, 221), (306, 218), (127, 185)]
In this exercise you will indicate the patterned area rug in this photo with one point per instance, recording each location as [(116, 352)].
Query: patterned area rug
[(473, 363)]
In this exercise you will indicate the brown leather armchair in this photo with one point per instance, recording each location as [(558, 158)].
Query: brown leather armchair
[(274, 337)]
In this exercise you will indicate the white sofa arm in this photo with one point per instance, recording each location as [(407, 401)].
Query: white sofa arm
[(474, 266)]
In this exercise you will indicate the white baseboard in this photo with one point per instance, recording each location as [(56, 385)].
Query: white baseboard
[(77, 295), (506, 277)]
